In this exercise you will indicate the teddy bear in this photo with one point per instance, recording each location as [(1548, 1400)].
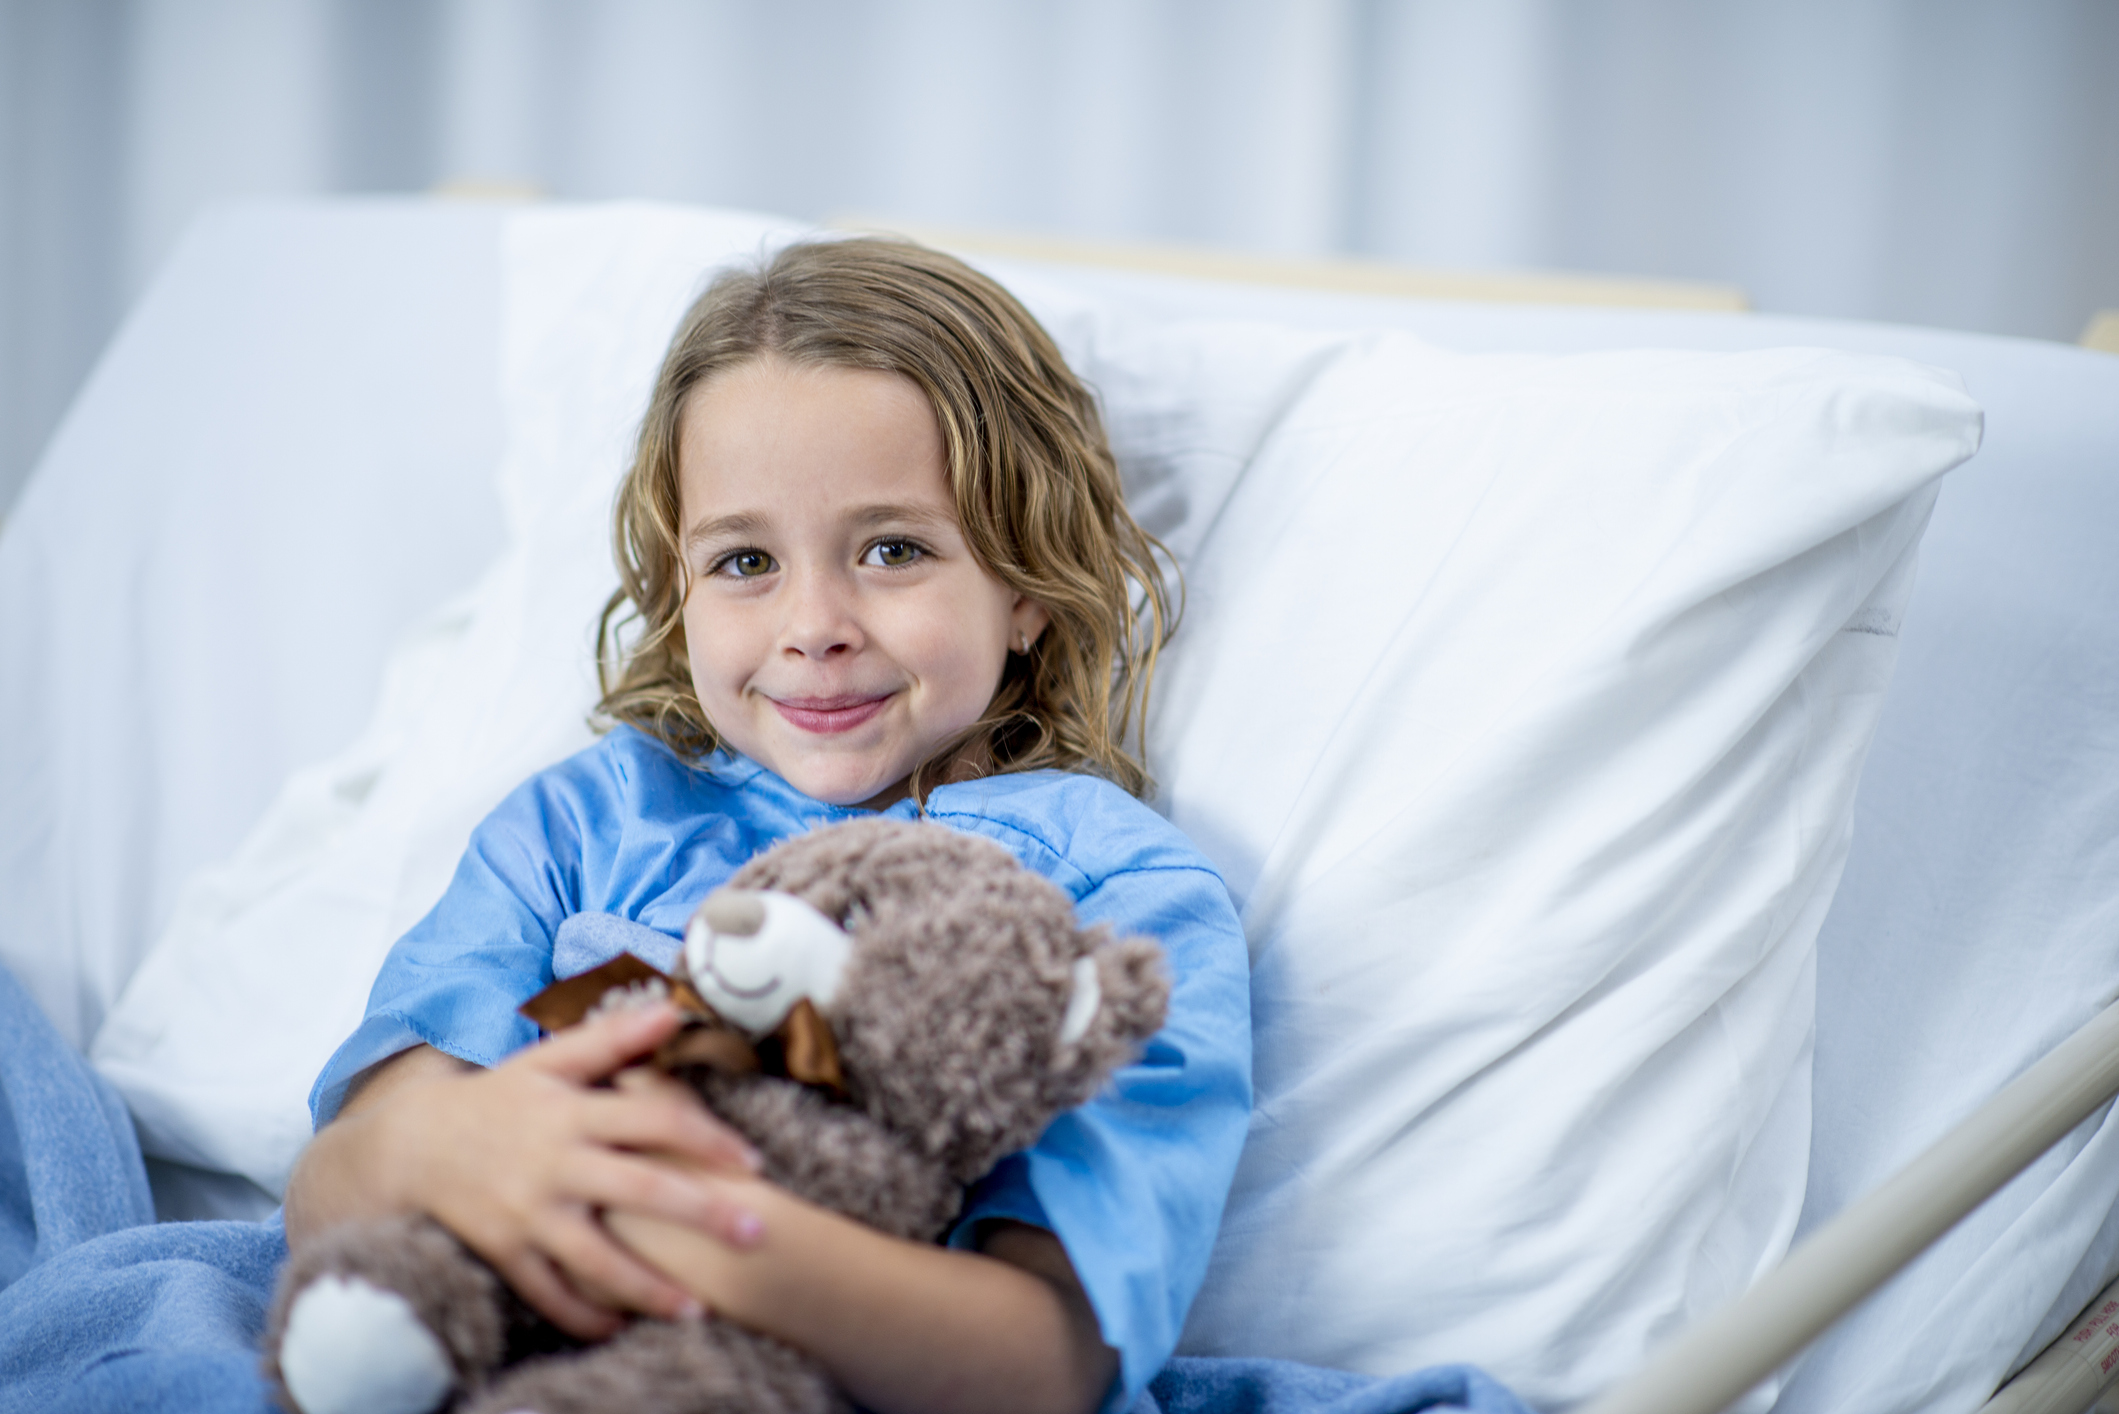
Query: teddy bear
[(885, 1009)]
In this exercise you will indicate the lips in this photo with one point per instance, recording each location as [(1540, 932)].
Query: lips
[(827, 715)]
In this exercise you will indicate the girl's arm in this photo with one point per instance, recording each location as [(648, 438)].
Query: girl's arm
[(903, 1327), (516, 1161)]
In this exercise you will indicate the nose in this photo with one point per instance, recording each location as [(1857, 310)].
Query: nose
[(820, 616)]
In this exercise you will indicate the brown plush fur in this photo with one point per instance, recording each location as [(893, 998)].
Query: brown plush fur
[(672, 1367), (947, 1021)]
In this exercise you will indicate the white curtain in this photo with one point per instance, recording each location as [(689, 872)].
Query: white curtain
[(1950, 162)]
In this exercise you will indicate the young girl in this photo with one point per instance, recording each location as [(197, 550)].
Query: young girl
[(875, 559)]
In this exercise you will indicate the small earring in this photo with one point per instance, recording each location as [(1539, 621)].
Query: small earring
[(1023, 640)]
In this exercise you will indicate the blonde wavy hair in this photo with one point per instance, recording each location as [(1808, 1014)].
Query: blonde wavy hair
[(1030, 470)]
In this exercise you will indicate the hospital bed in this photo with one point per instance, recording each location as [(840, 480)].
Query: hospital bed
[(285, 463)]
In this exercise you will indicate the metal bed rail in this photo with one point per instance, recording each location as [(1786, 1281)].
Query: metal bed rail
[(1714, 1364)]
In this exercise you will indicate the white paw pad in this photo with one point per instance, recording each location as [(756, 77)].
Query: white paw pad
[(352, 1348)]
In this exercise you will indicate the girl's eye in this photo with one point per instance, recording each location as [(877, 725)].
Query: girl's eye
[(746, 564), (892, 554)]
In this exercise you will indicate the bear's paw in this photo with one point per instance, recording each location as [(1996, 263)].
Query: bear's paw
[(353, 1348)]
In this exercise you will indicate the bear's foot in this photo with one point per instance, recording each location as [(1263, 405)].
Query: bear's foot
[(383, 1317), (667, 1367), (352, 1348)]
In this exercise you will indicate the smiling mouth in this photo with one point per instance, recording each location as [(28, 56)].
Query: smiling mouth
[(829, 714)]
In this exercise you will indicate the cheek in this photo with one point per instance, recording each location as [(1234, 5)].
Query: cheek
[(712, 643), (695, 650), (961, 648)]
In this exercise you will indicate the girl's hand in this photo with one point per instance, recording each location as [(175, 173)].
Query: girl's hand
[(519, 1161), (902, 1326)]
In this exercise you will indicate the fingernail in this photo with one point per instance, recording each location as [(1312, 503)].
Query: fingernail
[(753, 1160), (749, 1228), (690, 1310)]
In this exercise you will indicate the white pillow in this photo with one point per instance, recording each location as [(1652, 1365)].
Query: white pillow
[(1512, 697), (1522, 701)]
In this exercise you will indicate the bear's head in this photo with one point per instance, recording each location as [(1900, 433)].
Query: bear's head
[(967, 1005)]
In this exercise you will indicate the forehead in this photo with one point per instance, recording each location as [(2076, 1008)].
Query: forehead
[(803, 436)]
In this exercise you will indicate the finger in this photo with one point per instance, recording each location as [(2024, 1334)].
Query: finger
[(670, 1122), (592, 1259), (597, 1047), (661, 1190), (647, 1080), (537, 1281)]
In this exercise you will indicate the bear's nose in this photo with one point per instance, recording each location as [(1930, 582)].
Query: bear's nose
[(754, 954)]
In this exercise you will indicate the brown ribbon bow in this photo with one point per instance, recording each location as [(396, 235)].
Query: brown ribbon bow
[(800, 1048)]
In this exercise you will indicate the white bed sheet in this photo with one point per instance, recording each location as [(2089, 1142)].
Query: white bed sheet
[(1973, 929)]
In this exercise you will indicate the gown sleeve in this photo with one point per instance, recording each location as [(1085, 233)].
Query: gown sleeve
[(453, 982)]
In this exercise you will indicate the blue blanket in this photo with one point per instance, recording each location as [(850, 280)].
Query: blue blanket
[(101, 1308)]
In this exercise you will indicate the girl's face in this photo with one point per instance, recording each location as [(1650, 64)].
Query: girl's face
[(839, 629)]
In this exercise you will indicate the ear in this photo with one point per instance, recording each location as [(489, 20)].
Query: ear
[(1103, 1032), (1027, 621)]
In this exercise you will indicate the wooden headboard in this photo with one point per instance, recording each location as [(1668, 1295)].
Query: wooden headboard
[(1358, 277)]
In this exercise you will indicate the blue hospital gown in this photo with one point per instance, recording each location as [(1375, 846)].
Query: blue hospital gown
[(101, 1308), (1132, 1183)]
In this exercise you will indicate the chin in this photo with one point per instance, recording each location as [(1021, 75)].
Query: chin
[(843, 788)]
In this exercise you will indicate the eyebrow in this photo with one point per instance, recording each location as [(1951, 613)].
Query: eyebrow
[(743, 525), (884, 513)]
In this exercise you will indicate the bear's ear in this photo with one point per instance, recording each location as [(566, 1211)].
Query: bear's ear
[(1120, 993)]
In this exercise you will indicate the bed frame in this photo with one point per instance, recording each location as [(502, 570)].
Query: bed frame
[(2102, 332), (1354, 277)]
